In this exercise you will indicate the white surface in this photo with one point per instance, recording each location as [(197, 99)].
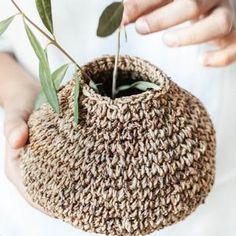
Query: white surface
[(75, 24)]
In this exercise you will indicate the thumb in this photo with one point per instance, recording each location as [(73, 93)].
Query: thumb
[(16, 129)]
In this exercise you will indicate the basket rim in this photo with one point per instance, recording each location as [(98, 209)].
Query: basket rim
[(146, 66)]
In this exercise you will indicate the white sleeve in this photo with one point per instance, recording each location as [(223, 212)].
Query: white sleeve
[(5, 46)]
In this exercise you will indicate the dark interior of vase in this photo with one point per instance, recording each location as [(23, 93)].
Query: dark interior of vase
[(103, 81)]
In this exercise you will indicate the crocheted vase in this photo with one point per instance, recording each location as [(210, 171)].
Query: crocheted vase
[(132, 165)]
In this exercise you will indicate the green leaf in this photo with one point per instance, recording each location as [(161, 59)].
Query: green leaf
[(44, 71), (57, 77), (93, 86), (110, 19), (76, 98), (59, 74), (5, 24), (45, 13), (141, 85), (48, 88), (37, 48), (41, 99)]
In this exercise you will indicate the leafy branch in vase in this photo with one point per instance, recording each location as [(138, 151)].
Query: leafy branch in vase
[(109, 22)]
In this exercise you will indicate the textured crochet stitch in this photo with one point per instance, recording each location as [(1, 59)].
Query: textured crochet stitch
[(132, 165)]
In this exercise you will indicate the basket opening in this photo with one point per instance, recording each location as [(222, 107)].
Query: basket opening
[(103, 81)]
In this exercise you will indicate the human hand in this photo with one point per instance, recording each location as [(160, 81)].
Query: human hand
[(213, 22), (20, 92), (16, 133)]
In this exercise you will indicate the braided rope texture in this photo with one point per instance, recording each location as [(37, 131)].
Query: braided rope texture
[(133, 165)]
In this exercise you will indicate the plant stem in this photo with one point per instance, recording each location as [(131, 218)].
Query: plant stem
[(57, 45), (51, 39), (115, 71)]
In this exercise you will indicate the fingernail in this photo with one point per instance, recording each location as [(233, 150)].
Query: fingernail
[(171, 40), (142, 26), (14, 137), (204, 60)]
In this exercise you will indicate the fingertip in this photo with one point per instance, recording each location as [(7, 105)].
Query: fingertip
[(208, 61), (142, 26), (125, 19), (17, 138), (171, 40), (203, 60)]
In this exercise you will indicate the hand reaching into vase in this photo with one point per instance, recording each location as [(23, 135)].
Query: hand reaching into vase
[(18, 93), (213, 22)]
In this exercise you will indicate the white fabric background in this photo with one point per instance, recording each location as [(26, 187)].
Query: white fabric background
[(75, 24)]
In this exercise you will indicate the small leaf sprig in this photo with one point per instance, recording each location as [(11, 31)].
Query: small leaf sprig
[(109, 22)]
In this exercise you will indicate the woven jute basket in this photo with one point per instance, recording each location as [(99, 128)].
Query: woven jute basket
[(132, 165)]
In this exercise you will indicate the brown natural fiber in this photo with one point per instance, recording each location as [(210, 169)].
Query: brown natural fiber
[(133, 165)]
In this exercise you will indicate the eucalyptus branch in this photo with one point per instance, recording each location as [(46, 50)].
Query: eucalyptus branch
[(52, 40), (115, 71)]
